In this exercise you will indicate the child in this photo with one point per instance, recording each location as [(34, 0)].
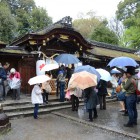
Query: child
[(36, 98)]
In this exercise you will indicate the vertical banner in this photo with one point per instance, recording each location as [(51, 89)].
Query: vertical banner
[(39, 65)]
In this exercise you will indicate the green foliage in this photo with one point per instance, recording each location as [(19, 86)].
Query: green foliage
[(129, 13), (8, 24), (86, 23), (28, 16), (39, 19), (103, 34)]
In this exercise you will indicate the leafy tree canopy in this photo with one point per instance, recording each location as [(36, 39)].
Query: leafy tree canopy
[(129, 13), (8, 24), (103, 34)]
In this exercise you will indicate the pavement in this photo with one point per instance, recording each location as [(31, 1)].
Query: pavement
[(66, 124)]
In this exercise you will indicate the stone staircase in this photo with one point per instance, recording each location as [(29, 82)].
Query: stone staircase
[(23, 108)]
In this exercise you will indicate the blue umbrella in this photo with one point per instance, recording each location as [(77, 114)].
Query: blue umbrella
[(89, 69), (67, 59), (123, 62)]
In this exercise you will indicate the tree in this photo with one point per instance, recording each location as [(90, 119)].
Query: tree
[(86, 23), (103, 34), (129, 13), (39, 19), (8, 24), (29, 17)]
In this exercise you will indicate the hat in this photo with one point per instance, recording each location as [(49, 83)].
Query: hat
[(131, 71), (12, 70)]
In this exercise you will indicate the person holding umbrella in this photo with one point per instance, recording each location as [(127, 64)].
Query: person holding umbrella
[(91, 102), (61, 79), (102, 92), (36, 98)]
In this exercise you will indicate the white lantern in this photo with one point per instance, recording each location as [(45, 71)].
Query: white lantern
[(39, 65)]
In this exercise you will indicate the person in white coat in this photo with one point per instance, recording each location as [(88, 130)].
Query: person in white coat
[(37, 98)]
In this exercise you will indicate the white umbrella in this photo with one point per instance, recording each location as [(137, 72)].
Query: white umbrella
[(38, 79), (50, 65), (105, 75)]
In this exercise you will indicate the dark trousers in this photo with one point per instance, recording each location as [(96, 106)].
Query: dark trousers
[(102, 101), (75, 102), (131, 108), (16, 94), (57, 88), (62, 94), (45, 96), (3, 86), (90, 113), (36, 107)]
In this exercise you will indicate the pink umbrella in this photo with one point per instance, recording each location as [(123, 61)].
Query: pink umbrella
[(82, 80)]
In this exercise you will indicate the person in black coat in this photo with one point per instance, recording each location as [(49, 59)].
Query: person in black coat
[(102, 92), (91, 102)]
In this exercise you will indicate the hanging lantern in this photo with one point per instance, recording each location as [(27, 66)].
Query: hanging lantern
[(39, 65)]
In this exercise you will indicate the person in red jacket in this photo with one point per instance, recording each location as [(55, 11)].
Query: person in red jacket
[(16, 90)]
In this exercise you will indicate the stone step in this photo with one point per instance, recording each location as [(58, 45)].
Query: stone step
[(21, 114), (27, 110), (23, 107)]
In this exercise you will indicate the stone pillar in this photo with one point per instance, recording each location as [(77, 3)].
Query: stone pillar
[(5, 125)]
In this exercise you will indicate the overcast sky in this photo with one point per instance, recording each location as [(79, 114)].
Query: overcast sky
[(58, 9)]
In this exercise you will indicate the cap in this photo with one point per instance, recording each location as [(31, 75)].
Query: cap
[(12, 70)]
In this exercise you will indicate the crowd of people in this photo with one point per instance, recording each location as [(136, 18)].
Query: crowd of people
[(93, 96)]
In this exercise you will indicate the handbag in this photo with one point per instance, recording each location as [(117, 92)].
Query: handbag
[(118, 88), (137, 91), (68, 96)]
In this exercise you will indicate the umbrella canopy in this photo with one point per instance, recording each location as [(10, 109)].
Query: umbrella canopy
[(50, 65), (89, 69), (67, 59), (105, 75), (82, 80), (113, 71), (123, 62), (38, 79)]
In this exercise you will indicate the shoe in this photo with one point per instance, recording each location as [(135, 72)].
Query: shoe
[(125, 114), (95, 117), (47, 102), (134, 123), (121, 110), (90, 120), (44, 103), (128, 125)]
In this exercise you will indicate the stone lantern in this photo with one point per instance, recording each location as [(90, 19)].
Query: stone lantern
[(5, 125)]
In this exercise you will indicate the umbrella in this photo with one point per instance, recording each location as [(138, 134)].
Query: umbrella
[(89, 69), (113, 71), (82, 80), (67, 59), (105, 75), (38, 79), (50, 65), (123, 62)]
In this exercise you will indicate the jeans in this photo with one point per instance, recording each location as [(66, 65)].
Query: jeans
[(113, 92), (62, 88), (131, 107), (36, 110), (45, 96)]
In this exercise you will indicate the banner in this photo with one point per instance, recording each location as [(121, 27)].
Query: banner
[(39, 65)]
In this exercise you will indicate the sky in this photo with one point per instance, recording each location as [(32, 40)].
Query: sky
[(57, 9)]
